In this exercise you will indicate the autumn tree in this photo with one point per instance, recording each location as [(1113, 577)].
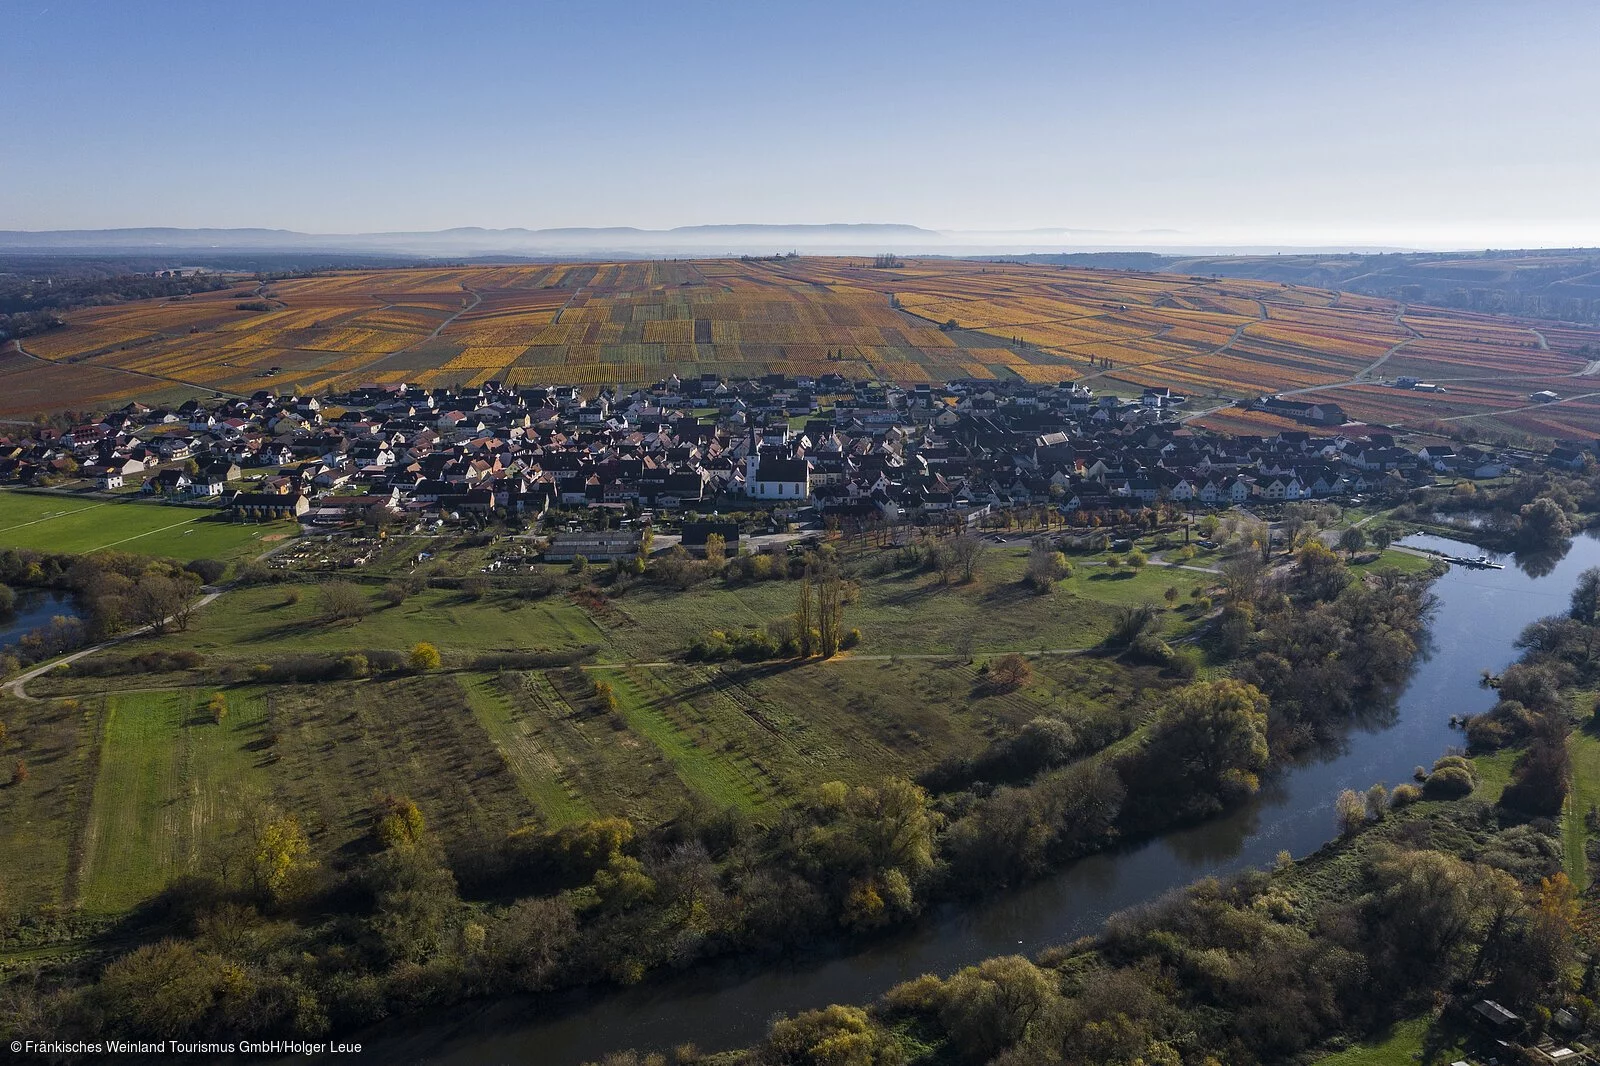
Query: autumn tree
[(423, 657), (830, 608), (1353, 539), (1009, 673), (1212, 735), (1350, 810), (1046, 565), (1585, 606), (397, 822), (804, 618), (1318, 573), (716, 550), (1542, 524), (279, 851)]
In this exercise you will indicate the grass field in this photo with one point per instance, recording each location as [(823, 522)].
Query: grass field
[(1408, 1043), (898, 612), (1584, 746), (60, 523), (1405, 562), (43, 817), (631, 323), (527, 755), (172, 784)]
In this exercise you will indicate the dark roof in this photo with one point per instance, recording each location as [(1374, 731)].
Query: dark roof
[(695, 533), (781, 470)]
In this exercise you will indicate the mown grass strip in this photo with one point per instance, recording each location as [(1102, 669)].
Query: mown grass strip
[(536, 770), (706, 772)]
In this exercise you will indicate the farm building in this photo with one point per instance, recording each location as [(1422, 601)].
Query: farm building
[(595, 547)]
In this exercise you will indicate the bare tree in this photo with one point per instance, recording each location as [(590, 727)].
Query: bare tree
[(340, 601), (803, 619), (968, 549), (830, 612)]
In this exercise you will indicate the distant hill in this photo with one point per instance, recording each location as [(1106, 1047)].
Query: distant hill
[(846, 239)]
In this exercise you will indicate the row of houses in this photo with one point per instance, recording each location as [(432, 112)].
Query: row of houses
[(873, 449)]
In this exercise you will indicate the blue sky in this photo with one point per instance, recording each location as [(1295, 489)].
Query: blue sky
[(1456, 124)]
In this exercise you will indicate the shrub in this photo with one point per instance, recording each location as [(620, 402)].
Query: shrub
[(1351, 811), (850, 639), (1149, 648), (423, 657), (1185, 664), (209, 571), (532, 660), (1404, 796), (1130, 623), (19, 772), (217, 707), (354, 665), (1448, 782)]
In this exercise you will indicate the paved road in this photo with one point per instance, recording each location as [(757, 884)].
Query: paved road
[(17, 685)]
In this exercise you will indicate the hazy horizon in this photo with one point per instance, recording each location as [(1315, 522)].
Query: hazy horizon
[(1237, 124)]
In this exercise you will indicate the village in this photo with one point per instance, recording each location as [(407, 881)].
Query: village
[(824, 451)]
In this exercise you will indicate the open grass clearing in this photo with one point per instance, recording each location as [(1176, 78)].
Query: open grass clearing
[(1583, 744), (266, 623), (172, 785), (914, 612), (719, 772), (1409, 1043)]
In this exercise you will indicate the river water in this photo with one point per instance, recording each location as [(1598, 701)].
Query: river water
[(33, 610), (1480, 615)]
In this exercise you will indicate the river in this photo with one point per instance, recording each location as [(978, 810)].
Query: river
[(1479, 617)]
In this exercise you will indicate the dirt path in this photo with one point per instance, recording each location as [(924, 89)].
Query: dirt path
[(1524, 407), (1399, 320)]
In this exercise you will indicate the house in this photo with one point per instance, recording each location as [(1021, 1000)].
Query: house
[(268, 506), (1495, 1017), (1438, 456), (168, 482), (207, 484), (1565, 458)]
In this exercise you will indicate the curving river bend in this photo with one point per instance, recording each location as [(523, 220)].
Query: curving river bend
[(1479, 616)]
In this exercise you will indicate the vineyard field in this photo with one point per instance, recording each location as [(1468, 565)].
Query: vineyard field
[(626, 324)]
